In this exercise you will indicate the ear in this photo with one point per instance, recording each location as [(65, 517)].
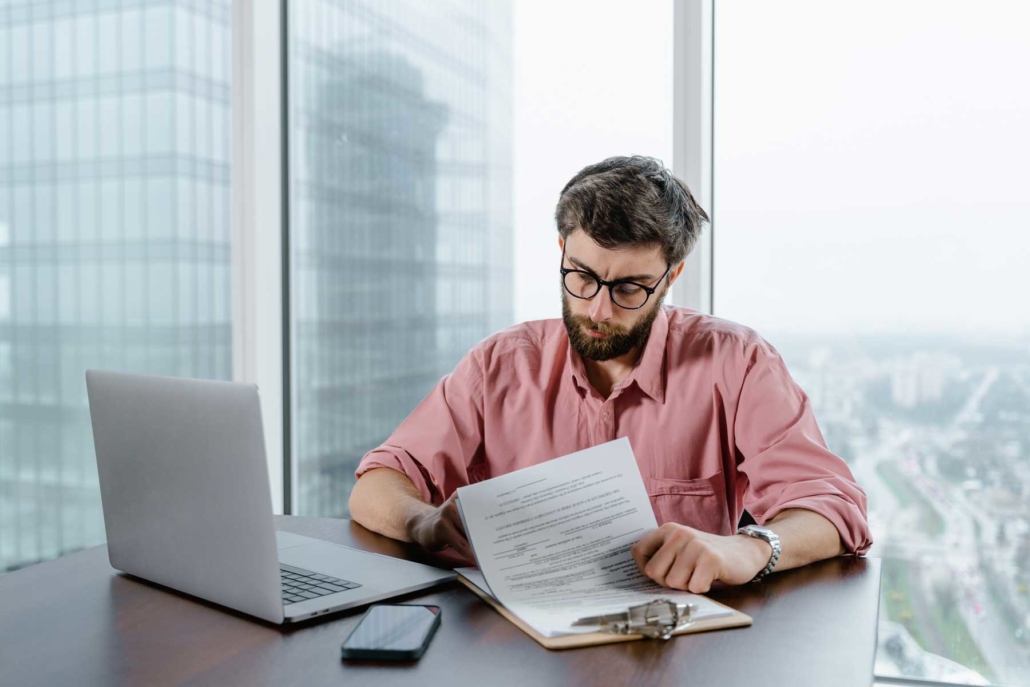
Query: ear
[(561, 243), (675, 272)]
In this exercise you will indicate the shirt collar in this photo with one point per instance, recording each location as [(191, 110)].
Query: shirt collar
[(647, 374)]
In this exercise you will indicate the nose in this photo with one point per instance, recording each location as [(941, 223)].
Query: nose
[(601, 306)]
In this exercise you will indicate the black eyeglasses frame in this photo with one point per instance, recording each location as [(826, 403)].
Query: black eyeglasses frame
[(601, 283)]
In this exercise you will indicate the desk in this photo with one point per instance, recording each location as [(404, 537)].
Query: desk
[(76, 621)]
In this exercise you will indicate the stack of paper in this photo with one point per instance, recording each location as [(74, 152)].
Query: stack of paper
[(553, 541)]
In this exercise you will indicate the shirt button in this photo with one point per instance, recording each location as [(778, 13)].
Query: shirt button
[(606, 416)]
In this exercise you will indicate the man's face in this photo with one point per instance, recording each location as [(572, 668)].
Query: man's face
[(598, 329)]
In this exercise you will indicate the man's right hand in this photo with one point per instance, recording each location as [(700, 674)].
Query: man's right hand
[(437, 528)]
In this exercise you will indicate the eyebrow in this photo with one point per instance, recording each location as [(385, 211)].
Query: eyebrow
[(633, 277)]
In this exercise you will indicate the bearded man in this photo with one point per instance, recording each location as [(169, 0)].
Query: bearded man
[(717, 424)]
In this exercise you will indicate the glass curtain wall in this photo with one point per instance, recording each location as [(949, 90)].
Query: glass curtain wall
[(400, 217), (871, 217), (114, 235)]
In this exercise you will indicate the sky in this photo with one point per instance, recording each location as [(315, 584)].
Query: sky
[(871, 161), (592, 80)]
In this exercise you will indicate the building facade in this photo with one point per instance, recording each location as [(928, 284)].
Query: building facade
[(400, 217), (114, 235)]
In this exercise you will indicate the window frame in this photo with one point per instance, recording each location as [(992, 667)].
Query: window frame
[(693, 101), (260, 255), (259, 302)]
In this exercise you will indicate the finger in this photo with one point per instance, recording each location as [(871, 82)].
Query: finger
[(658, 567), (683, 567), (456, 540), (704, 573), (452, 513), (647, 547)]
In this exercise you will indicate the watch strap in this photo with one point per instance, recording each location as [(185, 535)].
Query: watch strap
[(774, 541)]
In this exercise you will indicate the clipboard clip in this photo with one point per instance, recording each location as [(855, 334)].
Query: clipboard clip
[(657, 619)]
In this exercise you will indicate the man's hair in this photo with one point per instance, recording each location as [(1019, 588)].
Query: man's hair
[(625, 201)]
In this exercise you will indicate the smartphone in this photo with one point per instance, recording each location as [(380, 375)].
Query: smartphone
[(392, 633)]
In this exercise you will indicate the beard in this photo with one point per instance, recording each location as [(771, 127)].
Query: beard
[(618, 340)]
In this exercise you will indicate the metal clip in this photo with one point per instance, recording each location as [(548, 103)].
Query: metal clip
[(657, 619)]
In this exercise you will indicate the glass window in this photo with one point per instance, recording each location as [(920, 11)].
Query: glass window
[(42, 131), (132, 209), (160, 201), (64, 130), (5, 57), (66, 296), (202, 46), (21, 121), (202, 127), (132, 35), (5, 299), (159, 126), (402, 124), (870, 220), (109, 38), (66, 215), (42, 53), (135, 299), (5, 123), (110, 216), (92, 232), (86, 44), (88, 212), (183, 34), (86, 122), (112, 296), (158, 33), (64, 58), (46, 297), (20, 60), (133, 124), (184, 124), (44, 215), (110, 129)]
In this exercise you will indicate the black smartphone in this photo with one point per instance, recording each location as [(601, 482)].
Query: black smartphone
[(392, 633)]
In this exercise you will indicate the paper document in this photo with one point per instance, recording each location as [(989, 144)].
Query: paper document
[(553, 540)]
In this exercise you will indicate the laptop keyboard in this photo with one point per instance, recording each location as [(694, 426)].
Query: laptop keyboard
[(301, 585)]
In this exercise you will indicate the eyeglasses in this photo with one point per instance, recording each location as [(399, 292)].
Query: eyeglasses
[(628, 295)]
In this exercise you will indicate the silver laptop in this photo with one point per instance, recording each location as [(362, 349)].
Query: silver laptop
[(187, 504)]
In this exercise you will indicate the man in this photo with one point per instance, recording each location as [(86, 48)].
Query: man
[(715, 420)]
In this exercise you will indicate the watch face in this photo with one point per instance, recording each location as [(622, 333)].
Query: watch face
[(759, 528)]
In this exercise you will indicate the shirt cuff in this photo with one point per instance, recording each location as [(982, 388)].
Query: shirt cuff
[(399, 460), (848, 518)]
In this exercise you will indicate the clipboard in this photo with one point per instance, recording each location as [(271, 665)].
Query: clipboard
[(736, 619)]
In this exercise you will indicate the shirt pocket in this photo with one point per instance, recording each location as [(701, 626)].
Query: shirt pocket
[(698, 503)]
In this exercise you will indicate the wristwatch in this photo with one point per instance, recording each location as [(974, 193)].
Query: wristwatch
[(766, 534)]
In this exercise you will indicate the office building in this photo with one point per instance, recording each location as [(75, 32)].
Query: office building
[(400, 218), (114, 235)]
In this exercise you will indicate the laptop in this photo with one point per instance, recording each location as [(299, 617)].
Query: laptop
[(187, 504)]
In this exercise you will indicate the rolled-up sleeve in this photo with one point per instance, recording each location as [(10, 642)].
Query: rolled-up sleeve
[(441, 440), (785, 458)]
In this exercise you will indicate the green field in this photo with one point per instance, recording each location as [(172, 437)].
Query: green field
[(930, 520), (937, 628), (897, 589), (959, 644)]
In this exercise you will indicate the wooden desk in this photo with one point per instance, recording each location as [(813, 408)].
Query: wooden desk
[(76, 621)]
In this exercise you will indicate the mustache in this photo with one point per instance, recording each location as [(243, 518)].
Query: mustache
[(605, 328)]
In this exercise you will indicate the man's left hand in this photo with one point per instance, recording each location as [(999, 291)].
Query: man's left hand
[(680, 557)]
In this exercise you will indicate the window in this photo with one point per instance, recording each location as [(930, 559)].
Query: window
[(89, 261), (406, 242), (388, 104), (870, 221)]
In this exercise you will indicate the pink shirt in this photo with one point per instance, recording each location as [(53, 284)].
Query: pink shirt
[(715, 421)]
